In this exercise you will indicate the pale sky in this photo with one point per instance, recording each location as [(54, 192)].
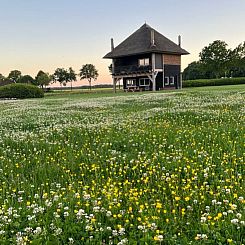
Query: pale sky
[(47, 34)]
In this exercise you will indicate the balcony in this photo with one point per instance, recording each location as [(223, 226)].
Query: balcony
[(133, 69)]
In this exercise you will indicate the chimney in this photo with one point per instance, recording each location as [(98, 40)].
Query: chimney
[(112, 44), (179, 40), (152, 38)]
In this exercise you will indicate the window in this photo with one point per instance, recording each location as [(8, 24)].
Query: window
[(144, 82), (166, 81), (131, 82), (144, 62), (171, 80)]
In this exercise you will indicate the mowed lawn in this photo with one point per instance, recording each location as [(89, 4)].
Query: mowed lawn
[(131, 168)]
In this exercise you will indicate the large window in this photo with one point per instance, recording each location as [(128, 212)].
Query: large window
[(131, 82), (144, 62), (144, 82)]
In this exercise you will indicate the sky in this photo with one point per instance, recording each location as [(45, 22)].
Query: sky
[(47, 34)]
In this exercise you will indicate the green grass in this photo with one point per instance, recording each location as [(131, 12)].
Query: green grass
[(131, 168)]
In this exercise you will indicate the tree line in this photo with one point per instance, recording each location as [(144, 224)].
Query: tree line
[(61, 75), (216, 61)]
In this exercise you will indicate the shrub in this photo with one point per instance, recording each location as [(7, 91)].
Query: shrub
[(213, 82), (20, 91)]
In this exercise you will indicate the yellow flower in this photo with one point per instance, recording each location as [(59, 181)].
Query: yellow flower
[(156, 238), (158, 205), (219, 215)]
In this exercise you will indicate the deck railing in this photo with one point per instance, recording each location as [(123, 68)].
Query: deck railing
[(131, 69)]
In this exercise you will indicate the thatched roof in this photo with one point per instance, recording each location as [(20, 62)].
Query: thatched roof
[(140, 42)]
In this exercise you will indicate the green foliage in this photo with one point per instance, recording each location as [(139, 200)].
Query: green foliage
[(20, 91), (27, 79), (213, 82), (195, 70), (71, 76), (43, 79), (2, 78), (89, 72), (216, 61), (64, 76), (215, 56), (14, 76)]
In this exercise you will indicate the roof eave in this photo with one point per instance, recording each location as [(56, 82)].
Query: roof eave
[(111, 56)]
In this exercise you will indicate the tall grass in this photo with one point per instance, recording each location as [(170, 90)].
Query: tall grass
[(155, 168)]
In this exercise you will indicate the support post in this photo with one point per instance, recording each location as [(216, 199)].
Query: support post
[(113, 78), (153, 60), (163, 74), (114, 84), (181, 81)]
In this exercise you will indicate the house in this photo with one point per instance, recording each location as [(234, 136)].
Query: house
[(147, 60)]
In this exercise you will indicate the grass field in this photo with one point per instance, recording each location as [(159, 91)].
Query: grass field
[(130, 168)]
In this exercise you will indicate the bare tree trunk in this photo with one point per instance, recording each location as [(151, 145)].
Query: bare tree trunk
[(90, 87)]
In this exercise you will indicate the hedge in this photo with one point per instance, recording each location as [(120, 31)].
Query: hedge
[(213, 82), (20, 91)]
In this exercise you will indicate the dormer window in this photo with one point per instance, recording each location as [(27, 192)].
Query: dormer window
[(144, 62)]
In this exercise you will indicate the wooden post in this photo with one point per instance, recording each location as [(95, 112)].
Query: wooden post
[(163, 74), (153, 60), (114, 84), (181, 85)]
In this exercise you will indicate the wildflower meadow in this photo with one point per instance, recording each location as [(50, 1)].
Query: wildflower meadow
[(133, 168)]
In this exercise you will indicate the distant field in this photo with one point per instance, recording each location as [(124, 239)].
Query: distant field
[(131, 168)]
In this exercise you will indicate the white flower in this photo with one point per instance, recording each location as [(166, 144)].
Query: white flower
[(234, 221), (238, 215), (86, 196), (121, 232), (204, 236), (58, 231), (203, 219), (71, 240), (160, 238), (37, 231)]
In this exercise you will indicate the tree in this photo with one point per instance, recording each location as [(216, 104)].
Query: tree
[(27, 79), (71, 76), (43, 79), (194, 70), (2, 78), (215, 57), (60, 75), (88, 72), (14, 76)]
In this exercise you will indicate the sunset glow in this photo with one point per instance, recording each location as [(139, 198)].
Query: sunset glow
[(45, 35)]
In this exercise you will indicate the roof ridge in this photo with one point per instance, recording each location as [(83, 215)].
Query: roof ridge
[(140, 42)]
